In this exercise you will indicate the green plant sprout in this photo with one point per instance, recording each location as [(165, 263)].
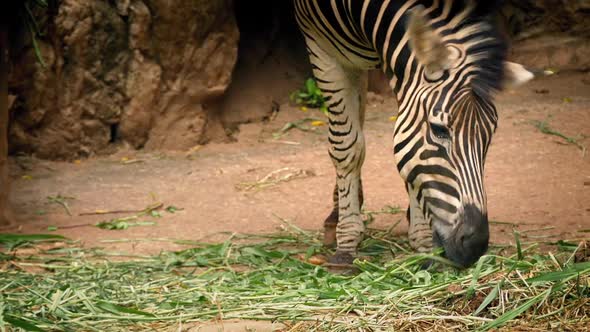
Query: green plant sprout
[(310, 96)]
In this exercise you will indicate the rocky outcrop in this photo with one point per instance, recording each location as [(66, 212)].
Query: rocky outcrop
[(529, 18), (550, 33), (556, 52), (139, 71), (156, 74)]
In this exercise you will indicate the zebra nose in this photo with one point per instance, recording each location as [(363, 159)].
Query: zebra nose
[(471, 238), (475, 234)]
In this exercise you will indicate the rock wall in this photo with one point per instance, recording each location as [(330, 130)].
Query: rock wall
[(550, 33), (159, 74), (529, 18), (139, 71)]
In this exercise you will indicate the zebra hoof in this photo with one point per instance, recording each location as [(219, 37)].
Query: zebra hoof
[(341, 258), (341, 263)]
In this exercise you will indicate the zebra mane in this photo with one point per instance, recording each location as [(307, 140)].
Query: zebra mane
[(491, 52), (485, 7), (474, 23)]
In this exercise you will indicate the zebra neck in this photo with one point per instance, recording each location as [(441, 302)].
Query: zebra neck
[(384, 26)]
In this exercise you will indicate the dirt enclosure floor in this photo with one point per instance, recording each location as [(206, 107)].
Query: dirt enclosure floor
[(535, 181)]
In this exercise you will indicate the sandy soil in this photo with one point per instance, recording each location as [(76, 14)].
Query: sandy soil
[(535, 181)]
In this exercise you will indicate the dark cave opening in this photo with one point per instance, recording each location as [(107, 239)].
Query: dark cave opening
[(272, 62)]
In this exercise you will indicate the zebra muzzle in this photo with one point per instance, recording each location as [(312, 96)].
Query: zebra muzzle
[(470, 239)]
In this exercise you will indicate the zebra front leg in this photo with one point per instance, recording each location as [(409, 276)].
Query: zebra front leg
[(332, 220), (350, 228), (347, 150), (344, 89), (419, 230)]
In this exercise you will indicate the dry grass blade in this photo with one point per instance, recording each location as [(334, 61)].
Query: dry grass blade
[(146, 210), (61, 200), (544, 127), (275, 177), (295, 124)]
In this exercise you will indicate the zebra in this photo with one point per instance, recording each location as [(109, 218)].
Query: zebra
[(445, 61)]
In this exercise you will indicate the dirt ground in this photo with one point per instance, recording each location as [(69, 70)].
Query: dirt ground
[(536, 181)]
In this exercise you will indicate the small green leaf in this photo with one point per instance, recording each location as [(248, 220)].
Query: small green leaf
[(12, 241), (310, 96), (52, 228), (511, 314), (29, 237), (172, 209), (518, 246), (34, 31), (566, 246), (113, 224), (310, 85), (489, 298), (475, 277), (21, 323), (258, 251), (573, 271)]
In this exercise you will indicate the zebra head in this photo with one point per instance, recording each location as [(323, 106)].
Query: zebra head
[(446, 122)]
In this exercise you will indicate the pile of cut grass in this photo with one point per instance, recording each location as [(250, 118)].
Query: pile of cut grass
[(66, 288)]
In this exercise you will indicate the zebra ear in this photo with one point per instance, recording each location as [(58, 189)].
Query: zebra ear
[(515, 75), (428, 46)]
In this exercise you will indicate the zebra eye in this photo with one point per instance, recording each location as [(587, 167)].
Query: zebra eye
[(435, 76), (439, 131)]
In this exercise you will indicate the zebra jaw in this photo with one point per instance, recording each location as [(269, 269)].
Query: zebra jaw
[(464, 239)]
